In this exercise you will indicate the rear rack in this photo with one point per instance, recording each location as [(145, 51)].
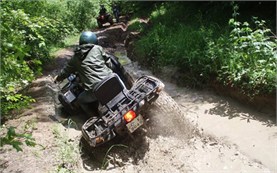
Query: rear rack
[(98, 131)]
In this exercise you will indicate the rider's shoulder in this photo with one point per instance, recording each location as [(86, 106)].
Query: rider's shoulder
[(97, 48), (83, 47)]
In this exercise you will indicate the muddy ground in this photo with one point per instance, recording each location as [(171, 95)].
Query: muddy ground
[(188, 130)]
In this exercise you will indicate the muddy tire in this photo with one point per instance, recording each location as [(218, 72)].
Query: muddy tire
[(167, 119), (67, 108), (85, 145)]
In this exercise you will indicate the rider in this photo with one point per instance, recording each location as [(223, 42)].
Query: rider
[(116, 11), (92, 65), (103, 10)]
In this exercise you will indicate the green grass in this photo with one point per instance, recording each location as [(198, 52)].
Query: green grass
[(106, 160), (135, 25), (68, 41), (68, 151), (240, 55), (74, 39)]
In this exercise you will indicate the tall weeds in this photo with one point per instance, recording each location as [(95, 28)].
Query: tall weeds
[(241, 55)]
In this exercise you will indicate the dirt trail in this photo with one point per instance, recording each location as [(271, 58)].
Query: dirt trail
[(196, 132), (252, 133)]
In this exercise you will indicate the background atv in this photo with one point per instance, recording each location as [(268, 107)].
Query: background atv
[(104, 18)]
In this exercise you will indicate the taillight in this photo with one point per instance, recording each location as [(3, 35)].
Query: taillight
[(99, 140), (129, 116), (160, 88)]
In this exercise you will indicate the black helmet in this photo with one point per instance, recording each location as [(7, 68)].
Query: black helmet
[(88, 37)]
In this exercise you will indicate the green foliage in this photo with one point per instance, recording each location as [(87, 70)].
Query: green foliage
[(244, 57), (13, 101), (178, 44), (82, 14), (24, 40), (68, 151), (16, 140), (28, 30), (247, 58), (165, 45), (138, 8), (106, 161), (135, 25)]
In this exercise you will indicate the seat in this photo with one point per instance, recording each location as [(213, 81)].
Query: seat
[(110, 90)]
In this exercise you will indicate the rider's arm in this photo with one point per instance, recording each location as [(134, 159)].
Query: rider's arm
[(107, 58), (65, 72)]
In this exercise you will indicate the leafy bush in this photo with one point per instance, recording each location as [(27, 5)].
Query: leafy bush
[(13, 101), (82, 14), (135, 25), (23, 51), (28, 30), (16, 139), (247, 58), (177, 44), (244, 57)]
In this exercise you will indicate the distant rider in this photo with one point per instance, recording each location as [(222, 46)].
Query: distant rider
[(103, 10), (116, 11), (91, 63)]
